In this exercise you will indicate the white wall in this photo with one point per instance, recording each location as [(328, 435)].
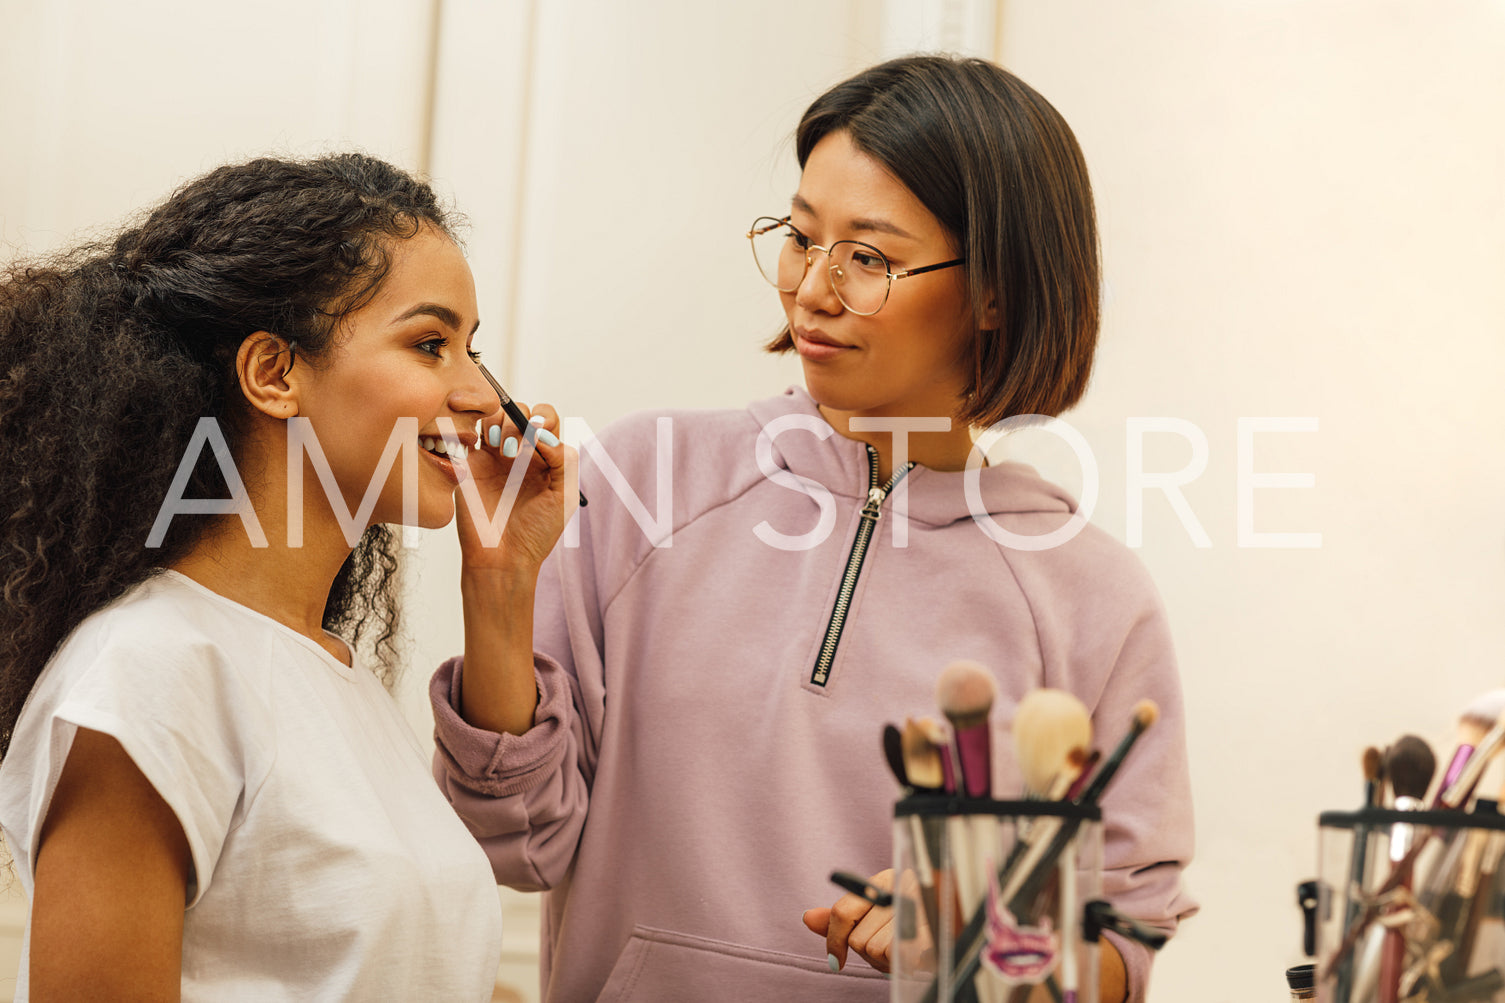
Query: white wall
[(1301, 213), (104, 106), (1302, 216)]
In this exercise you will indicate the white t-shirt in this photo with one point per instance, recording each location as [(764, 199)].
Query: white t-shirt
[(326, 864)]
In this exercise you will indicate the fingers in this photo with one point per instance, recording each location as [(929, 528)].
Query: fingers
[(854, 922), (876, 948), (522, 458), (539, 431), (544, 416), (873, 936), (846, 913)]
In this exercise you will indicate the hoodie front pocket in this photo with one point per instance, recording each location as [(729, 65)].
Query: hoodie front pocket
[(660, 966)]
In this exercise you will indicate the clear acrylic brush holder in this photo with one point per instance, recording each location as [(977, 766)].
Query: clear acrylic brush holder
[(1409, 906), (990, 900)]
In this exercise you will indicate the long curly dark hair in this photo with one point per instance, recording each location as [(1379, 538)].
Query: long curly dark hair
[(110, 354)]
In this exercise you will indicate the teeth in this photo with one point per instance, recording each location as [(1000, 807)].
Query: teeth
[(436, 444)]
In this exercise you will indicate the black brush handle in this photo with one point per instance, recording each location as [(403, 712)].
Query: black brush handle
[(509, 406)]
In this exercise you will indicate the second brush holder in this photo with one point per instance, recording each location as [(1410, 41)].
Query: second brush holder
[(1409, 906), (990, 899)]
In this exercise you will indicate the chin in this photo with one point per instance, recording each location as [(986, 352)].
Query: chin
[(436, 517), (431, 514), (823, 393)]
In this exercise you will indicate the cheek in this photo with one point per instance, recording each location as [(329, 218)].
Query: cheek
[(947, 324), (963, 338)]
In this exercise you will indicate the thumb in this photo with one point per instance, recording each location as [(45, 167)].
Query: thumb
[(817, 920)]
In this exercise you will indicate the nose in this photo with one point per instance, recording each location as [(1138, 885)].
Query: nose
[(471, 394), (815, 291)]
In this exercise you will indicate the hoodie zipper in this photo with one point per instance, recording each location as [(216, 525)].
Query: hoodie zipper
[(870, 513)]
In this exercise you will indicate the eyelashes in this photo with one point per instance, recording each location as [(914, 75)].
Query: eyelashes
[(434, 347)]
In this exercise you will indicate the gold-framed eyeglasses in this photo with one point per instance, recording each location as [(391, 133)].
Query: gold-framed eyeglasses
[(860, 274)]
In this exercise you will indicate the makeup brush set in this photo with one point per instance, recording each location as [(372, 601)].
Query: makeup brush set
[(1410, 904), (994, 898)]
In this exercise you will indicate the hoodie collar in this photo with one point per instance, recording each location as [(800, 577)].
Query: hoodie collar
[(806, 445)]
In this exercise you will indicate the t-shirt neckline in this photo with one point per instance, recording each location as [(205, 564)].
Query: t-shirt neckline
[(351, 671)]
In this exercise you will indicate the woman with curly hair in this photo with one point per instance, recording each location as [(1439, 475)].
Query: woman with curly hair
[(206, 790)]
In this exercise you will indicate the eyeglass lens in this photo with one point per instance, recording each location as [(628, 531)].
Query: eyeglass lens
[(858, 273)]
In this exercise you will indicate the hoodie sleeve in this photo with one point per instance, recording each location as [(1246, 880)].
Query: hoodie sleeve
[(1147, 817), (1104, 636), (525, 797)]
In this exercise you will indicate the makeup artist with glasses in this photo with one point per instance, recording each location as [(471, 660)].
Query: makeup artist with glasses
[(695, 745)]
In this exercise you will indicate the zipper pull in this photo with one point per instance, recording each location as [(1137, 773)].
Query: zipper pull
[(875, 498)]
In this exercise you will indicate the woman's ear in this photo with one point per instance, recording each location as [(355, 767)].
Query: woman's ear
[(262, 365)]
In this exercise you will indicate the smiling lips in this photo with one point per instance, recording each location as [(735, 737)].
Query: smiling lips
[(448, 454)]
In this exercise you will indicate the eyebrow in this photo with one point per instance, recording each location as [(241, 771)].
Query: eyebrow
[(441, 313), (860, 225)]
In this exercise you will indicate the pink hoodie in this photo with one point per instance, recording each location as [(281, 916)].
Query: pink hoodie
[(693, 776)]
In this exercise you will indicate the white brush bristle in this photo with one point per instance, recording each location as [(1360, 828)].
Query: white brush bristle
[(1049, 727), (965, 689), (1485, 709)]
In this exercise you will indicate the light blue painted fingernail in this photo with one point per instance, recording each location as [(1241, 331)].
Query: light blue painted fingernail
[(832, 963), (494, 436), (547, 438), (509, 448)]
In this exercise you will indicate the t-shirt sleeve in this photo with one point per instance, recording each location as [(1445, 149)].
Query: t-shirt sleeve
[(186, 719)]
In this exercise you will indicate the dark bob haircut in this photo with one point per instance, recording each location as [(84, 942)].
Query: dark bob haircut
[(1000, 169)]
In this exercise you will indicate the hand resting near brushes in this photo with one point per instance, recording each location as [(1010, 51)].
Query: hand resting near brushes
[(853, 922)]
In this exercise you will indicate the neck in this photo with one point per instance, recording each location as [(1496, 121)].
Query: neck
[(933, 448), (290, 584)]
